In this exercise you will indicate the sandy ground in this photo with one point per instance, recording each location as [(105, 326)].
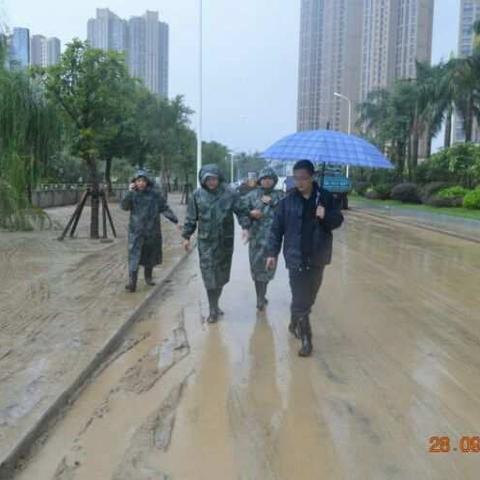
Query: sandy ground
[(59, 303), (396, 335)]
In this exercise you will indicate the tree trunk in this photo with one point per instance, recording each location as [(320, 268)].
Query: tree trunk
[(398, 152), (448, 128), (29, 193), (409, 158), (468, 121), (108, 175), (429, 145), (414, 153), (95, 198)]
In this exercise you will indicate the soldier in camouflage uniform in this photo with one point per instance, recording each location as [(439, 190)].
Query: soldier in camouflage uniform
[(259, 206), (145, 204), (211, 207), (248, 185)]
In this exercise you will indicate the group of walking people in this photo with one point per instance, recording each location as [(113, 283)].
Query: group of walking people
[(302, 221)]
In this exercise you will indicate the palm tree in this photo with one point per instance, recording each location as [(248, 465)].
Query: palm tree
[(434, 99)]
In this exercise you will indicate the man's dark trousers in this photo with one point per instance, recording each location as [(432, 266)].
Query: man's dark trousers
[(304, 284)]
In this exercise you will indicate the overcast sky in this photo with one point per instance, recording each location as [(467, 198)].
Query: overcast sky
[(250, 55)]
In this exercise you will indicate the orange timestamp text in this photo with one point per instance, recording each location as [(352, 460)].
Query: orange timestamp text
[(466, 444)]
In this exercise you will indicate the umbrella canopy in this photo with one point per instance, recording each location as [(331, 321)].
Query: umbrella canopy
[(328, 146)]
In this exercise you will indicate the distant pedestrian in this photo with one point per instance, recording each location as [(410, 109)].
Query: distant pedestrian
[(249, 184)]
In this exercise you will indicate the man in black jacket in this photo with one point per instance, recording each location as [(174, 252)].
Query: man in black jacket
[(304, 220)]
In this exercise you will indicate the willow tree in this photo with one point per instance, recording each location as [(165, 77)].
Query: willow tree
[(29, 135), (88, 86)]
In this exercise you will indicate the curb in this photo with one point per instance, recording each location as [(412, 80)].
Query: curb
[(23, 447), (385, 219)]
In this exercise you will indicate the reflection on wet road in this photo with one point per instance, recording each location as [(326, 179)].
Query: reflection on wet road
[(396, 361)]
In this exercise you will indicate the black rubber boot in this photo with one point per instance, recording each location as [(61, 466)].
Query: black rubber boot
[(132, 281), (213, 306), (220, 312), (261, 289), (305, 331), (293, 327), (148, 271)]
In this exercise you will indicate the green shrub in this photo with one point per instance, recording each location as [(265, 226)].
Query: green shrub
[(371, 194), (472, 199), (378, 192), (406, 193), (383, 191), (361, 187), (432, 188), (453, 192), (447, 197), (458, 164)]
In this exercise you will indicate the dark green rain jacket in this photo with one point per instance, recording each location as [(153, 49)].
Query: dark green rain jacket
[(260, 229), (212, 212), (144, 230)]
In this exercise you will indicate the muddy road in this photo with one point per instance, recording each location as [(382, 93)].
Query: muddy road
[(396, 361)]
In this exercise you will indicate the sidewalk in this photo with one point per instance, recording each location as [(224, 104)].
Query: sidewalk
[(63, 305), (457, 226)]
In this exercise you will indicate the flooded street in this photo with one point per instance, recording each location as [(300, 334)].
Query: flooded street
[(396, 359)]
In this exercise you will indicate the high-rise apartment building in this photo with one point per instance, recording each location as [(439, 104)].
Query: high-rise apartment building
[(136, 47), (330, 49), (38, 51), (44, 52), (53, 51), (20, 48), (144, 40), (107, 31), (469, 14), (353, 47)]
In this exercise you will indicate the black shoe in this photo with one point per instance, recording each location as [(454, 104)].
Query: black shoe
[(148, 271), (220, 312), (305, 337), (293, 327), (213, 317), (132, 282), (260, 306)]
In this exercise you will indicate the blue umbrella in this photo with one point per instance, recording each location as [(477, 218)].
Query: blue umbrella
[(328, 146)]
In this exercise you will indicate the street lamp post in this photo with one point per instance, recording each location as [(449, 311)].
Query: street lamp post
[(343, 97), (200, 86), (231, 166)]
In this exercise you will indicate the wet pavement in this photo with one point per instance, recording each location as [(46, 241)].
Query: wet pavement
[(60, 305), (396, 336), (437, 220)]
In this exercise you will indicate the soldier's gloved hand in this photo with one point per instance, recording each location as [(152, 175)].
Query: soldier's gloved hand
[(131, 187), (186, 245), (245, 236), (271, 263)]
